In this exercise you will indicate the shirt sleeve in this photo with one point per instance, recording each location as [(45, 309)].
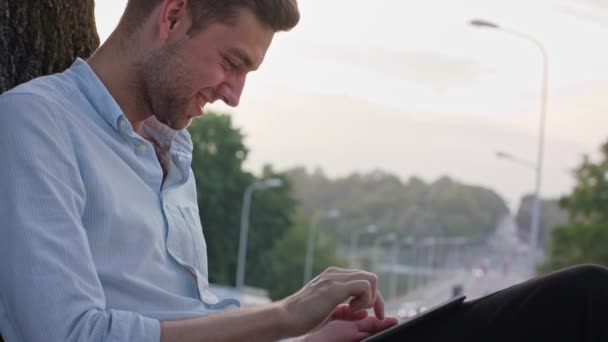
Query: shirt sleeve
[(49, 287)]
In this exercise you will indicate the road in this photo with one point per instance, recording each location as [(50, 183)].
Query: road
[(504, 263)]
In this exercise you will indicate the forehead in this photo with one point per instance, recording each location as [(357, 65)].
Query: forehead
[(245, 38)]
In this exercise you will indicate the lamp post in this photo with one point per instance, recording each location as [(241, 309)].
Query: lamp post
[(536, 207), (395, 261), (417, 260), (389, 237), (517, 160), (242, 257), (354, 241), (310, 246), (430, 244), (455, 241)]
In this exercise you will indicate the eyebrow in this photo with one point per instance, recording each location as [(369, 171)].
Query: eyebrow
[(239, 53)]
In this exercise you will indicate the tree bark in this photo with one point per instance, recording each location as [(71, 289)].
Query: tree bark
[(41, 37)]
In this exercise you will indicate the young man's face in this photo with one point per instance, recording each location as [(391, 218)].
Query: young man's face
[(180, 78)]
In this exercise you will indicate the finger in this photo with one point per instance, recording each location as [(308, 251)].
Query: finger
[(372, 324), (340, 270), (346, 271), (357, 315), (362, 275), (344, 312), (360, 291), (379, 306)]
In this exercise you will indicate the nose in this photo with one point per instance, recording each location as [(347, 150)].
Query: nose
[(231, 90)]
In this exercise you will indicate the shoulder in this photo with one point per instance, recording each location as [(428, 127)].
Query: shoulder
[(47, 102), (34, 114), (43, 92)]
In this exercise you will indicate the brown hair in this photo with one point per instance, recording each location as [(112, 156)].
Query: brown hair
[(279, 15)]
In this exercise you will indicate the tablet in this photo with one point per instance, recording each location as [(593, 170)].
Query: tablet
[(432, 312)]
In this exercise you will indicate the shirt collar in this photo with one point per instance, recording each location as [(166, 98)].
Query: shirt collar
[(169, 140), (105, 105), (96, 92)]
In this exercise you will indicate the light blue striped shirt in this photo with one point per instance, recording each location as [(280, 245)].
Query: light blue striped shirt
[(93, 245)]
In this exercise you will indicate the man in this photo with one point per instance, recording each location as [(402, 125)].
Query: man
[(101, 239)]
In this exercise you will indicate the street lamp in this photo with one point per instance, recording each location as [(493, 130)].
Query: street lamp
[(389, 237), (354, 241), (310, 246), (517, 160), (536, 207), (261, 185), (395, 260), (430, 245)]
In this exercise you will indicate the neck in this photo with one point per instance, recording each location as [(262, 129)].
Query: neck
[(115, 69)]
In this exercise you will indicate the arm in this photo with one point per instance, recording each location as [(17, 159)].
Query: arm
[(314, 306), (264, 323), (49, 288)]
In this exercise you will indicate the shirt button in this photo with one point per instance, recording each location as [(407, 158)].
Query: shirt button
[(123, 124), (141, 149)]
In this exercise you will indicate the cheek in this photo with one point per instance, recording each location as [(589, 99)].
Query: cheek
[(176, 87), (209, 78)]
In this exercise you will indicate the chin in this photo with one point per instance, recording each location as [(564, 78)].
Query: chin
[(182, 124), (178, 123)]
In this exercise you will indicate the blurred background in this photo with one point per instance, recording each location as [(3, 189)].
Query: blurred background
[(449, 146)]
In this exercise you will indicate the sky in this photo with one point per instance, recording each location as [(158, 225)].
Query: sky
[(410, 88)]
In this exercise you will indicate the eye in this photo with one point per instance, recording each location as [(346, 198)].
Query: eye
[(229, 64)]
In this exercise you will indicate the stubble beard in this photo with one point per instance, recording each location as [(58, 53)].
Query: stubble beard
[(159, 78)]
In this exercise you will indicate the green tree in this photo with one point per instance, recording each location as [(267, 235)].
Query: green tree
[(284, 263), (442, 208), (552, 216), (585, 237), (218, 156)]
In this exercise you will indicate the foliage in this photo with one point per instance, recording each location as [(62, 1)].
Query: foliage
[(585, 237), (578, 244), (284, 263), (218, 156), (551, 216), (417, 209)]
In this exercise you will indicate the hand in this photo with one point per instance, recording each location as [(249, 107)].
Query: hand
[(346, 325), (316, 303)]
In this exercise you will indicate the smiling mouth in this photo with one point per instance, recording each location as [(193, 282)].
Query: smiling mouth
[(200, 101)]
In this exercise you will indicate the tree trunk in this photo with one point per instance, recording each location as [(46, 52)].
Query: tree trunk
[(41, 37)]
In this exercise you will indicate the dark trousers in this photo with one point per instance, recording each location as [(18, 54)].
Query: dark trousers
[(568, 305)]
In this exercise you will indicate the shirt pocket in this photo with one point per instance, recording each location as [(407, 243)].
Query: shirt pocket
[(185, 239)]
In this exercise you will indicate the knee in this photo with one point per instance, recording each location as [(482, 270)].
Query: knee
[(588, 273)]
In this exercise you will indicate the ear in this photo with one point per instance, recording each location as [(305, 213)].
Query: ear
[(174, 19)]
